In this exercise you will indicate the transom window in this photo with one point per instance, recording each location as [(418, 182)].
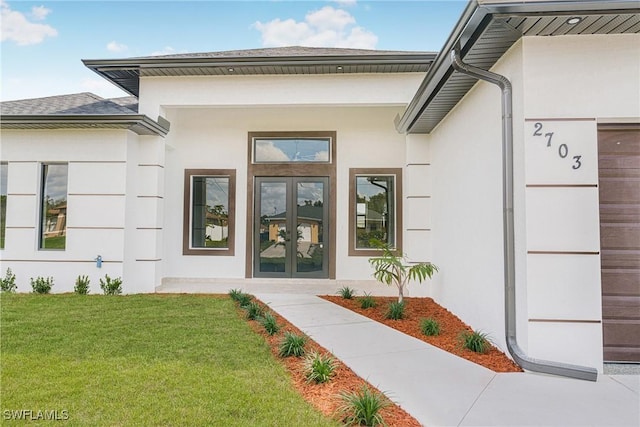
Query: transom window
[(291, 150), (209, 215), (375, 209)]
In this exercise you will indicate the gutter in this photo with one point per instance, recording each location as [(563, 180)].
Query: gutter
[(138, 123), (526, 362)]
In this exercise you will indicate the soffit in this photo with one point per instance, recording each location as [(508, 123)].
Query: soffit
[(127, 73), (494, 35)]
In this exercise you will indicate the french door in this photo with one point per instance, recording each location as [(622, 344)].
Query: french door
[(291, 234)]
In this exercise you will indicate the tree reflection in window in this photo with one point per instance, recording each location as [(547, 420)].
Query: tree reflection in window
[(375, 210), (210, 212)]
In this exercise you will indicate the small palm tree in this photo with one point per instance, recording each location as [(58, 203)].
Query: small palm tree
[(391, 268)]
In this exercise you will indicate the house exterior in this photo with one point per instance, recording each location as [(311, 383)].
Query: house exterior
[(283, 163)]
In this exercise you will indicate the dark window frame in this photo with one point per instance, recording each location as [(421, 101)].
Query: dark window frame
[(186, 229), (354, 173), (3, 210), (42, 216)]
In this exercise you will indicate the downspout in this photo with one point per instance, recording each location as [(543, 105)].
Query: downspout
[(526, 362)]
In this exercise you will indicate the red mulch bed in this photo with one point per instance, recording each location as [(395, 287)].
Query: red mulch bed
[(325, 396), (450, 328)]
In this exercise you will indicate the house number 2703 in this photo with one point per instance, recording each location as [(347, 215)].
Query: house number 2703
[(563, 149)]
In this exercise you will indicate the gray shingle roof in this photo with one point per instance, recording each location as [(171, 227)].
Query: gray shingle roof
[(76, 104), (287, 51), (126, 72)]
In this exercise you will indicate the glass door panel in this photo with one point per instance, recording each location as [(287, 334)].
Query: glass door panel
[(273, 242), (310, 219), (283, 205)]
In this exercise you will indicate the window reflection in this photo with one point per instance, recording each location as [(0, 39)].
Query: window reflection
[(53, 227), (375, 210), (291, 150), (210, 212)]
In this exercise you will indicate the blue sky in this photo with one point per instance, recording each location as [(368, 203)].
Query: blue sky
[(44, 41)]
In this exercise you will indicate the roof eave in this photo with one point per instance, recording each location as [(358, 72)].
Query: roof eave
[(103, 66), (477, 15), (138, 123)]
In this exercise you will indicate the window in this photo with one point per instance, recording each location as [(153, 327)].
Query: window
[(4, 168), (375, 209), (209, 211), (291, 150), (53, 213)]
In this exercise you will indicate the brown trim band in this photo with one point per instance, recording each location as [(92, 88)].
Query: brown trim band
[(561, 253), (563, 321), (60, 260), (150, 197), (560, 119), (418, 164), (562, 185), (13, 227), (124, 162), (94, 228), (151, 165), (21, 194), (96, 194)]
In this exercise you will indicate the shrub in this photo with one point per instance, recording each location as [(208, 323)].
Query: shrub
[(270, 323), (367, 301), (346, 292), (292, 345), (82, 285), (254, 310), (240, 297), (362, 407), (40, 285), (430, 326), (111, 286), (475, 341), (319, 368), (395, 310), (8, 284)]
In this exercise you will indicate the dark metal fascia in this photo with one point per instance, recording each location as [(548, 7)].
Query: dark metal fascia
[(441, 69), (563, 6), (103, 66), (139, 123), (474, 19), (188, 62)]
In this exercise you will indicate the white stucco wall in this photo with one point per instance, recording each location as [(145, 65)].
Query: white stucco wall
[(101, 211), (216, 138), (570, 83), (157, 93), (466, 180)]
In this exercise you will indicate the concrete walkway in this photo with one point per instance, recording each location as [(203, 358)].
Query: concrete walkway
[(440, 389)]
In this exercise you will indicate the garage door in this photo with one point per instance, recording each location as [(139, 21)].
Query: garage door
[(619, 166)]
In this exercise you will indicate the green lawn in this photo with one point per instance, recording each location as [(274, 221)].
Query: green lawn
[(142, 360)]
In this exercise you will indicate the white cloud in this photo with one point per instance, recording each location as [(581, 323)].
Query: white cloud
[(167, 50), (114, 46), (266, 151), (16, 27), (326, 27), (39, 13)]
